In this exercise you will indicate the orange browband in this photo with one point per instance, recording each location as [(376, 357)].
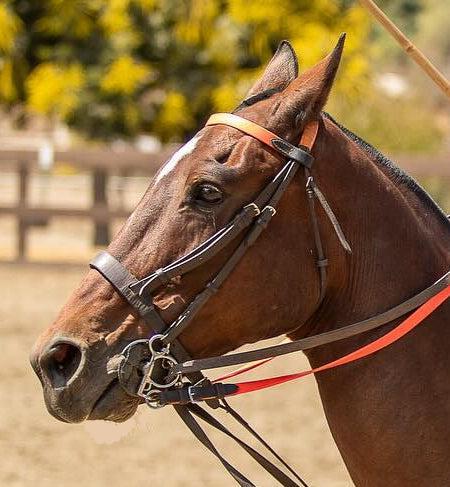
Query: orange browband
[(262, 134)]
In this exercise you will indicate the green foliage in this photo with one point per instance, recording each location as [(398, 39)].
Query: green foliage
[(112, 68), (394, 125), (119, 67)]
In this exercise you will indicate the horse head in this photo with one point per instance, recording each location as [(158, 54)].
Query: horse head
[(273, 290)]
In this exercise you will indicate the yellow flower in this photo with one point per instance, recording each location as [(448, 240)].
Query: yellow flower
[(197, 23), (9, 27), (175, 116), (115, 17), (7, 86), (53, 88), (228, 95), (258, 11), (124, 76)]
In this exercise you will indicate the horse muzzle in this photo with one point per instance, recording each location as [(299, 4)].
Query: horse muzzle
[(73, 391)]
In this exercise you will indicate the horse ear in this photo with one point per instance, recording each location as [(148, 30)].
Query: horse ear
[(281, 70), (312, 88)]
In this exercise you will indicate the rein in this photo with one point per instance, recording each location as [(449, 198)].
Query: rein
[(160, 370)]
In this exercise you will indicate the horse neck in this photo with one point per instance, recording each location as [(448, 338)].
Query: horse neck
[(399, 237), (400, 246)]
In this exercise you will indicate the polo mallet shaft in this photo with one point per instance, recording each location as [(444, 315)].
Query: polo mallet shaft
[(418, 56)]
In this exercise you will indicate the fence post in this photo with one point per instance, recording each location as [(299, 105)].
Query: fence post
[(100, 207), (22, 224)]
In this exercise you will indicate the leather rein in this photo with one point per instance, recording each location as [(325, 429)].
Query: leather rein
[(168, 375)]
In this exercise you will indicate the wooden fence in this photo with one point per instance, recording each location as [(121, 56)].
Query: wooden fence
[(101, 164)]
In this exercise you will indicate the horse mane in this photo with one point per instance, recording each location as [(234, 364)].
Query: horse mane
[(397, 175)]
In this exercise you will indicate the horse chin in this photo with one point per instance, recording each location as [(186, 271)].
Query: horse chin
[(111, 404), (114, 404)]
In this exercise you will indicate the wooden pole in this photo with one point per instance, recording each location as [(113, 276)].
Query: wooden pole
[(22, 224), (408, 46), (100, 204)]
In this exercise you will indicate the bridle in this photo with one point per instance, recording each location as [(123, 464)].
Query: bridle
[(159, 369)]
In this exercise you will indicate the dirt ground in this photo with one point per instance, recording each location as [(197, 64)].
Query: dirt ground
[(153, 448)]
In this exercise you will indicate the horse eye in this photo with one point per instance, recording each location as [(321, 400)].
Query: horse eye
[(207, 193)]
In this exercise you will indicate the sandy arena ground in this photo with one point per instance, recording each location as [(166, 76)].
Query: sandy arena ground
[(152, 449)]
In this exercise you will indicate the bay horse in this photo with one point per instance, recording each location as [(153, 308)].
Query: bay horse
[(388, 413)]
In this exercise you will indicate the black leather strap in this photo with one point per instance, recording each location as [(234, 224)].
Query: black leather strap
[(186, 414), (317, 340), (321, 260), (203, 253), (297, 154), (194, 307), (190, 394), (121, 280), (257, 436)]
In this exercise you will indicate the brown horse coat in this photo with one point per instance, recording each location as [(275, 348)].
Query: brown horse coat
[(390, 413)]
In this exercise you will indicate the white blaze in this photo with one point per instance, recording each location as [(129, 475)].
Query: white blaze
[(176, 158)]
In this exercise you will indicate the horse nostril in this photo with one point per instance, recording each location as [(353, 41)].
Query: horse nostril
[(61, 362)]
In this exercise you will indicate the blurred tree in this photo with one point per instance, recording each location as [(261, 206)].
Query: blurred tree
[(403, 11), (113, 68)]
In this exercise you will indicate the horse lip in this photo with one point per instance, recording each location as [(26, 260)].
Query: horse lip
[(34, 362), (57, 416), (112, 384)]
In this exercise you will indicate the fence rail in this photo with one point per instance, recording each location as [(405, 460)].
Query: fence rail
[(101, 164)]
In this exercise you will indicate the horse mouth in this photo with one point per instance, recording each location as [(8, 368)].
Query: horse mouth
[(113, 404)]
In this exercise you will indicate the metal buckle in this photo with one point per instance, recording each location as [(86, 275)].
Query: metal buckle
[(254, 207), (191, 387), (152, 400), (191, 397), (271, 210)]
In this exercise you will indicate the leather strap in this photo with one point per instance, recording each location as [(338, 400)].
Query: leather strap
[(254, 433), (212, 287), (312, 187), (204, 252), (320, 339), (321, 260), (267, 137), (186, 414), (121, 280), (309, 134), (389, 338)]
